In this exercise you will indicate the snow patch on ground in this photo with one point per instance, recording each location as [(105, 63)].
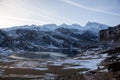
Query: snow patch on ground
[(5, 51), (41, 68)]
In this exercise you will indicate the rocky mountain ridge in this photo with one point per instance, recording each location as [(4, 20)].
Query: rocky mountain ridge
[(110, 34)]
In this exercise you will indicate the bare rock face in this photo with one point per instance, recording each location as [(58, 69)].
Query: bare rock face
[(110, 34)]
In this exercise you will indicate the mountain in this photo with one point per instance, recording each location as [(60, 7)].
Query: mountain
[(95, 27), (110, 34), (110, 38), (37, 38)]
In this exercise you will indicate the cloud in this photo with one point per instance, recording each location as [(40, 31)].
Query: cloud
[(52, 16), (23, 19), (89, 8)]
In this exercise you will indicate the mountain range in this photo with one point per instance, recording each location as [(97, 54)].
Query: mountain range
[(37, 38)]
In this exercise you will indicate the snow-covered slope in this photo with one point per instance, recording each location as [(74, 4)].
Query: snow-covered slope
[(95, 27)]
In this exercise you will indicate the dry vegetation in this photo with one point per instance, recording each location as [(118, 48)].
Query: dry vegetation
[(63, 74)]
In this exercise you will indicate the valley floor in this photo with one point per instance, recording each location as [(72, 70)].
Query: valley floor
[(81, 67)]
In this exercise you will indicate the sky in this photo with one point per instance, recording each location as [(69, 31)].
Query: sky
[(39, 12)]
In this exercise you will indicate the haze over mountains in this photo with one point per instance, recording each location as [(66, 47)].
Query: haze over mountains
[(51, 27)]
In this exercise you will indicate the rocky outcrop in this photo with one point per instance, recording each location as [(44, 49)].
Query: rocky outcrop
[(110, 34)]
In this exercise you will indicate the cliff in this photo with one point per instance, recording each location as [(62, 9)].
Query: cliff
[(112, 34)]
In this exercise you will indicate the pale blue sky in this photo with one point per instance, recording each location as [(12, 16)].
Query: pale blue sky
[(21, 12)]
